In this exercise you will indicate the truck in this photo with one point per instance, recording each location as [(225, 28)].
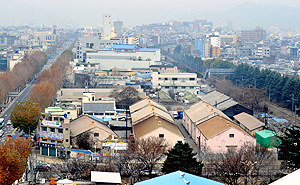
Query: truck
[(1, 122), (179, 113)]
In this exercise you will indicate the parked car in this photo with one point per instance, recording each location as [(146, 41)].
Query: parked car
[(8, 122)]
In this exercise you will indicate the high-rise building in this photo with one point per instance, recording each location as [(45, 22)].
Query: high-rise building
[(3, 62), (118, 28), (197, 47), (256, 35), (107, 18), (206, 49)]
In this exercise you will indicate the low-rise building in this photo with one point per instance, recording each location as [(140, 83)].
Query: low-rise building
[(54, 132), (249, 123)]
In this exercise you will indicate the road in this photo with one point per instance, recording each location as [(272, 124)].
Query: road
[(8, 129), (24, 95)]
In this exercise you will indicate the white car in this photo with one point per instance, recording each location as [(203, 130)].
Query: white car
[(1, 133), (8, 122)]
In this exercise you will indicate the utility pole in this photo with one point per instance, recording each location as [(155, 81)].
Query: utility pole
[(296, 113)]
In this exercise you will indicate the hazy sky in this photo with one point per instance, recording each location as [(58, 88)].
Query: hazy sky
[(131, 12)]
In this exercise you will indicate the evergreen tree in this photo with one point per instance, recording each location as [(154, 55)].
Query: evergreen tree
[(181, 157), (290, 147)]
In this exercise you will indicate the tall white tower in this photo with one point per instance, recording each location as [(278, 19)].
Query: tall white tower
[(107, 26)]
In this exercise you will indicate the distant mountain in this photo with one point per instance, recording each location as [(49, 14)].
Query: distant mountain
[(250, 15)]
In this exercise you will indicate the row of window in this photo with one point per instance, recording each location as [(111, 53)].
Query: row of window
[(182, 87), (49, 129), (175, 79), (101, 114), (54, 141)]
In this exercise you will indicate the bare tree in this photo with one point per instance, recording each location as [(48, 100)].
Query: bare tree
[(245, 164)]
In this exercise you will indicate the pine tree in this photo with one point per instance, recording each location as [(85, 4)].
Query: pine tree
[(290, 147), (181, 157)]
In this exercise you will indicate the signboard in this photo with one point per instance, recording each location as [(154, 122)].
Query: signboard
[(52, 135), (113, 154), (51, 123), (113, 141), (48, 145), (116, 146)]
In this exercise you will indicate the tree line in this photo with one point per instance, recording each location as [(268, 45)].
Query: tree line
[(281, 87), (21, 73), (26, 114)]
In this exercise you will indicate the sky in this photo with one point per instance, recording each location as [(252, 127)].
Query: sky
[(88, 13)]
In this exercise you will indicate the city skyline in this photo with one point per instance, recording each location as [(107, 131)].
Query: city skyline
[(89, 13)]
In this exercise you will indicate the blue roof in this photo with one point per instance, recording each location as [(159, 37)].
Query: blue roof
[(265, 114), (206, 23), (147, 49), (148, 75), (279, 120), (100, 119), (175, 178), (81, 151), (124, 46)]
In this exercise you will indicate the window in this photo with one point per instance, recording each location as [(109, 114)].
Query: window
[(52, 129), (67, 128), (52, 141), (44, 129), (182, 87), (192, 79), (45, 140), (59, 142), (106, 114), (67, 140), (159, 78), (161, 135), (96, 134), (68, 112), (166, 78), (231, 135), (191, 87), (60, 130), (174, 78), (175, 87), (101, 113), (55, 118), (167, 87)]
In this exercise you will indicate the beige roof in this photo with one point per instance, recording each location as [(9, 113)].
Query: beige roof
[(143, 103), (217, 125), (248, 121), (151, 124), (202, 111), (219, 100), (84, 124), (149, 111)]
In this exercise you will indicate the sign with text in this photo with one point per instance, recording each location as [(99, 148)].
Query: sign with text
[(116, 146), (52, 135), (51, 123), (48, 145)]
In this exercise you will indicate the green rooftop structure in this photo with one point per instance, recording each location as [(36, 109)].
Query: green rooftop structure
[(267, 138)]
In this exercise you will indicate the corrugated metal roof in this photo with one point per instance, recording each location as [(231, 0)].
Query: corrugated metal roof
[(202, 111), (216, 125), (248, 121), (143, 103), (178, 178), (219, 100), (98, 107)]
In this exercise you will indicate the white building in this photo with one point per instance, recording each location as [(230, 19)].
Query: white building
[(175, 81), (107, 21), (124, 57)]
